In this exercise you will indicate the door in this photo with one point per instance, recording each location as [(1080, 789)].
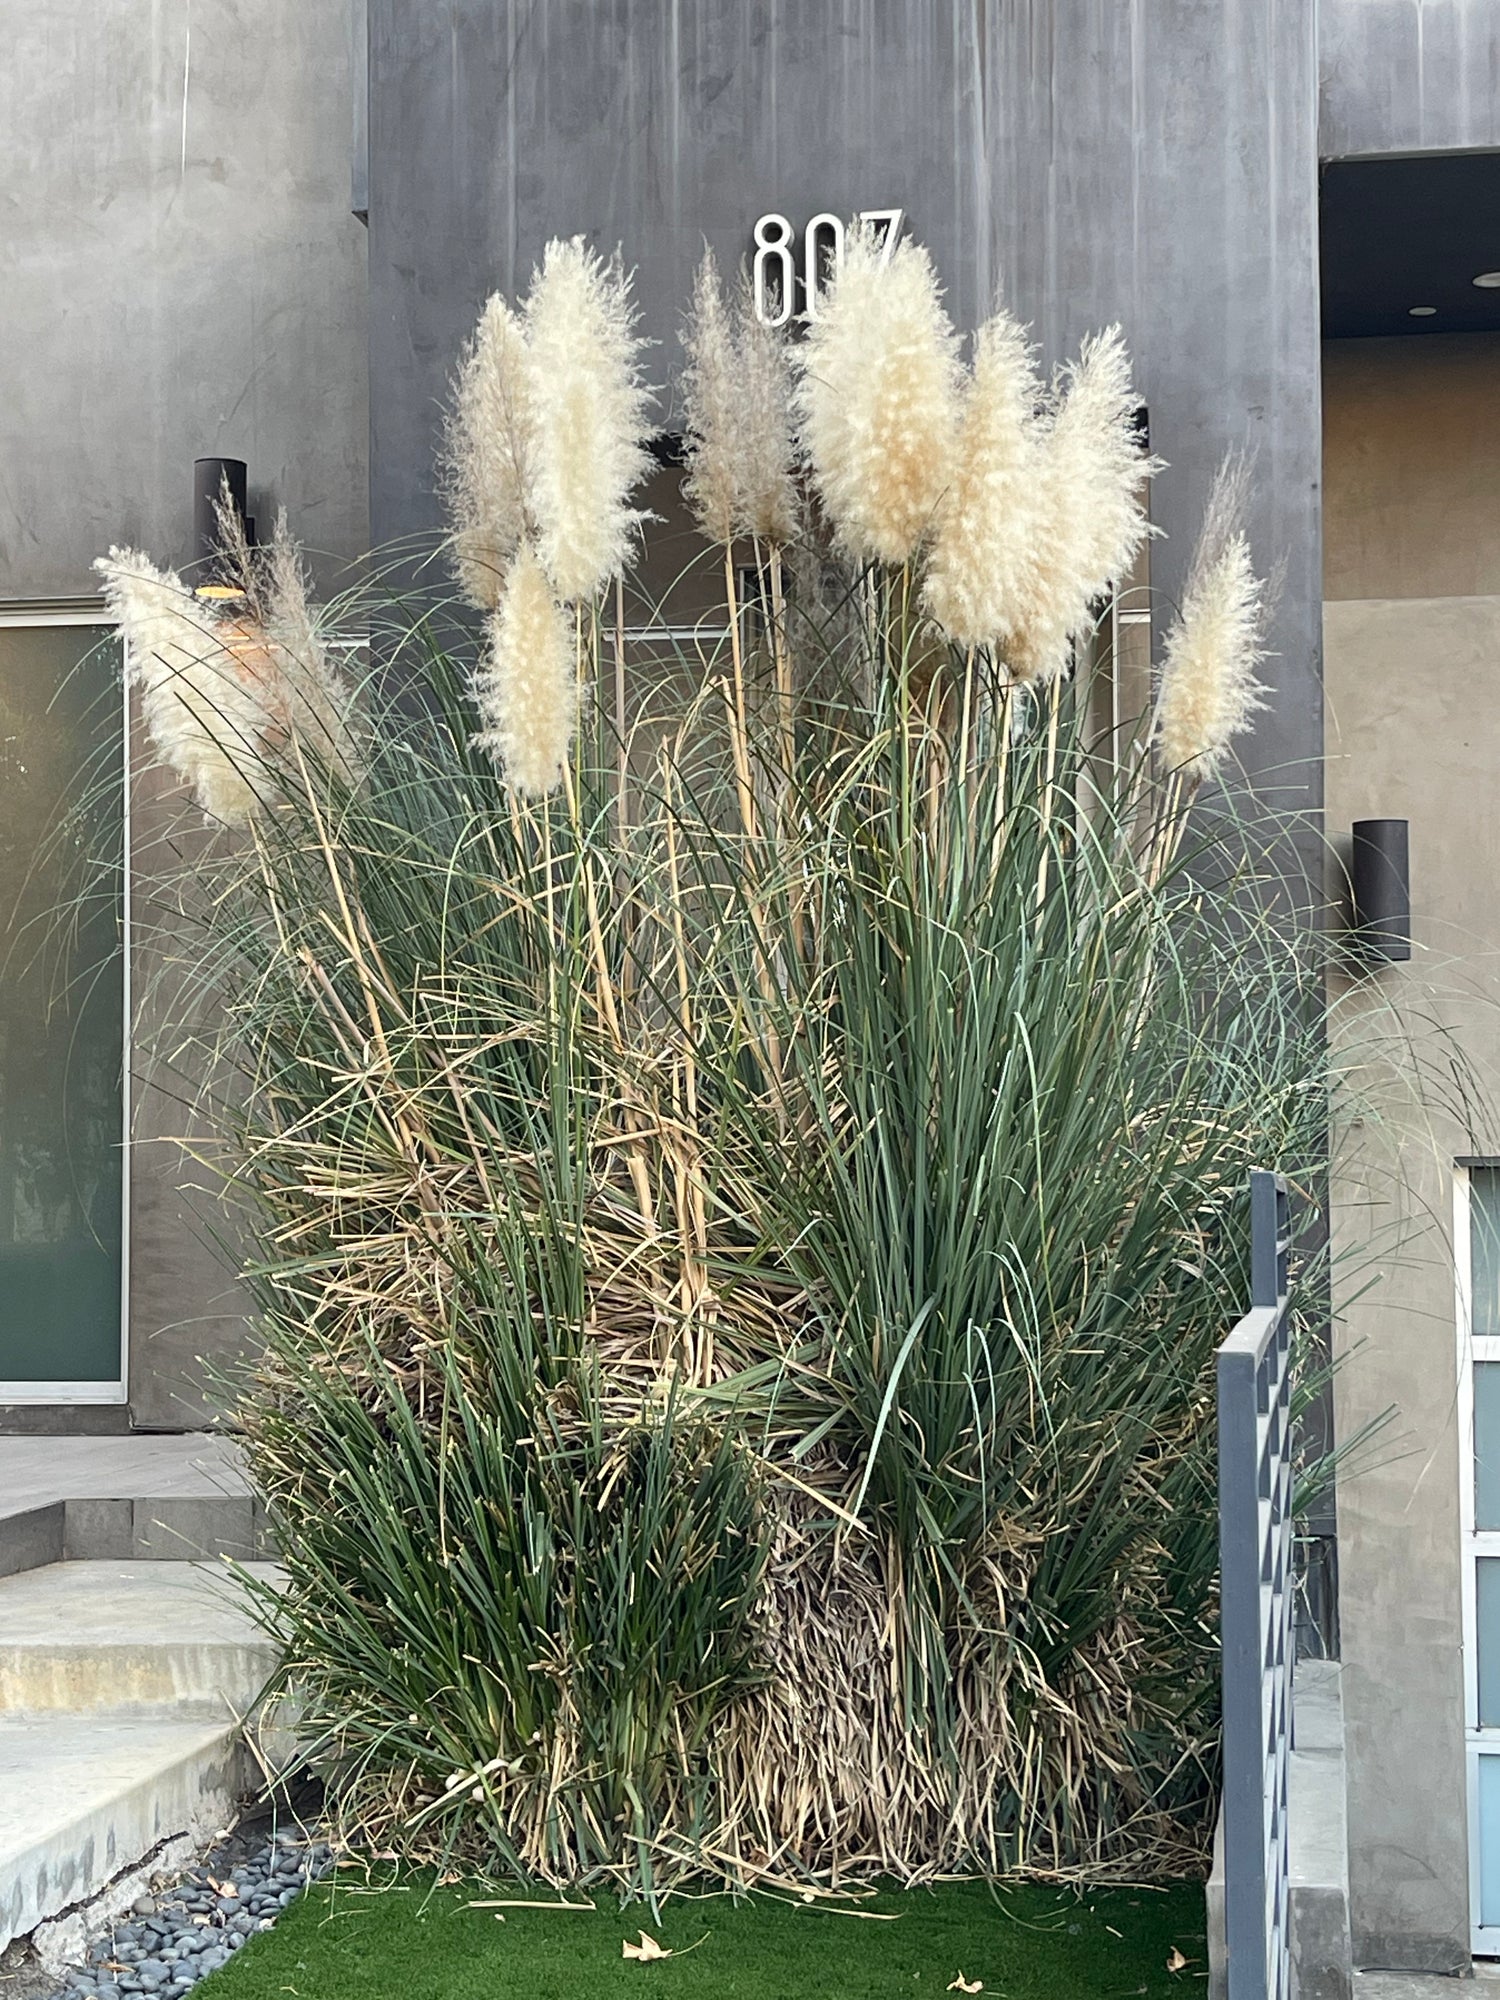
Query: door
[(62, 1012)]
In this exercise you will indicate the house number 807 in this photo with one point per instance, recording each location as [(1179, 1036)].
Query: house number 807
[(775, 274)]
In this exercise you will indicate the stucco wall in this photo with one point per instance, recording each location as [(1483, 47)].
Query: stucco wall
[(1413, 730), (1411, 502), (180, 276)]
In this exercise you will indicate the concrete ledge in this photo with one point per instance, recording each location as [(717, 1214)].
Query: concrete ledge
[(166, 1530), (157, 1499), (32, 1539), (1322, 1959)]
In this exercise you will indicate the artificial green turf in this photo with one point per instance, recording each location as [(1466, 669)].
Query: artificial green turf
[(344, 1941)]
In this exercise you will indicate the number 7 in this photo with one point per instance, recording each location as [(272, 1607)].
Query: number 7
[(892, 218)]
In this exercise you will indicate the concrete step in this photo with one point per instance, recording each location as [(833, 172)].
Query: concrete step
[(97, 1499), (121, 1689), (82, 1798), (86, 1636)]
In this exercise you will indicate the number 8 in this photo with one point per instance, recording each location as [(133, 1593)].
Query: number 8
[(780, 248)]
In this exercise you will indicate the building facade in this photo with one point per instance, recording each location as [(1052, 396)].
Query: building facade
[(268, 241)]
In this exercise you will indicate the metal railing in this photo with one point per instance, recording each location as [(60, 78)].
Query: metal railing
[(1255, 1554)]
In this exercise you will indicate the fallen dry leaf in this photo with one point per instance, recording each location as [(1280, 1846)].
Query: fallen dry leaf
[(646, 1950), (1175, 1960), (962, 1985)]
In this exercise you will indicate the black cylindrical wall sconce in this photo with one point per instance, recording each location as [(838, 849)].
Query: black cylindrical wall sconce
[(1380, 884), (209, 475)]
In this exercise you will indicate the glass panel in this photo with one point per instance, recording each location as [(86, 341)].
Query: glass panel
[(1484, 1247), (61, 1001), (1487, 1444), (1489, 1840), (1487, 1637)]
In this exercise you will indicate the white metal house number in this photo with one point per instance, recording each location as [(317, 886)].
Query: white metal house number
[(775, 273)]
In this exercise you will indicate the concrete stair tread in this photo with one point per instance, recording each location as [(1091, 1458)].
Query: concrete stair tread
[(199, 1465), (91, 1636), (84, 1796), (124, 1603)]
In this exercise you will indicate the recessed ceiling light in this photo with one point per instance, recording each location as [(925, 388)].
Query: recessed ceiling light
[(1420, 312), (1488, 281)]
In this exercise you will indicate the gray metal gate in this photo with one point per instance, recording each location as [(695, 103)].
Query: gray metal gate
[(1255, 1553)]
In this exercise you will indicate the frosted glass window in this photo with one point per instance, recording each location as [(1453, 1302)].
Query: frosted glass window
[(1484, 1247), (1489, 1840), (1487, 1633), (61, 1005), (1487, 1445)]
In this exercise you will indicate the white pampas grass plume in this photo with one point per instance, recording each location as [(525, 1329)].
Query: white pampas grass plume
[(525, 690), (319, 703), (489, 442), (590, 410), (736, 391), (1209, 689), (710, 398), (985, 547), (878, 396), (766, 503), (205, 709), (1090, 516)]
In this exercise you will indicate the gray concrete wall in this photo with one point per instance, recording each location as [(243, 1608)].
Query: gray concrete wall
[(1408, 76), (1151, 161), (180, 276), (1414, 732)]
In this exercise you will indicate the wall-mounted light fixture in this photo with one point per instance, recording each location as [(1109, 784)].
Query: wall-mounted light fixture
[(1380, 886), (210, 476)]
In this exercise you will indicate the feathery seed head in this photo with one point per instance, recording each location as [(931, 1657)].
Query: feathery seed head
[(766, 504), (205, 707), (710, 397), (488, 448), (525, 689), (590, 412), (1209, 690), (319, 703), (984, 547), (878, 398), (1091, 470)]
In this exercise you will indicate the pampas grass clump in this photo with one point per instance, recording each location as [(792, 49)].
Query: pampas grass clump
[(740, 1278)]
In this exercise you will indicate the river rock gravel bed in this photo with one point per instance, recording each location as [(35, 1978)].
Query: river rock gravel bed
[(170, 1940)]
